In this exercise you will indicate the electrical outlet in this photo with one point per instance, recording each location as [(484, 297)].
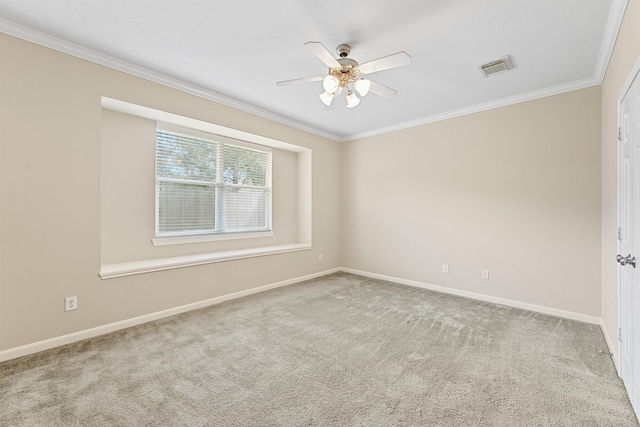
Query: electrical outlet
[(70, 303), (485, 274), (445, 268), (320, 257)]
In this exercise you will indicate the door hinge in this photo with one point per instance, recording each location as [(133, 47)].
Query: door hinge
[(619, 134), (619, 233), (620, 334)]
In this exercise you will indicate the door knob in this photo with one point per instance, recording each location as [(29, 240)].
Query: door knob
[(631, 260), (624, 260)]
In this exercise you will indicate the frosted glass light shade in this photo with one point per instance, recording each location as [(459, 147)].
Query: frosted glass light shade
[(326, 98), (352, 100), (330, 83), (362, 86)]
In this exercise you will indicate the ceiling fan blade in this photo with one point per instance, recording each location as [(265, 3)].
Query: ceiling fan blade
[(382, 90), (323, 54), (303, 80), (392, 61)]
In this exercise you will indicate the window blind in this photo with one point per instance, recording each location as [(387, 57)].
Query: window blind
[(206, 185)]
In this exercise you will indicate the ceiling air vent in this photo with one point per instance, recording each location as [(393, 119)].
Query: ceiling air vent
[(493, 67)]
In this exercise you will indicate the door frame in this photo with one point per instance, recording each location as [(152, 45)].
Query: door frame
[(634, 73)]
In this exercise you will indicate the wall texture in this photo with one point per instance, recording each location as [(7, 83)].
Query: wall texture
[(625, 54), (50, 200), (514, 190)]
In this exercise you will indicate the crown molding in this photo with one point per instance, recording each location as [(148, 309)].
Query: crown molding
[(503, 102), (614, 21), (42, 39)]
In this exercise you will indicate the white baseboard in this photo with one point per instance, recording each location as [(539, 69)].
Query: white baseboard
[(112, 327), (497, 300), (36, 347), (613, 346)]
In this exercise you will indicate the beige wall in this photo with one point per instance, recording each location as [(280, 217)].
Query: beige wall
[(50, 204), (625, 54), (514, 190)]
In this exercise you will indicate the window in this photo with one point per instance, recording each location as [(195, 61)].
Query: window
[(208, 184)]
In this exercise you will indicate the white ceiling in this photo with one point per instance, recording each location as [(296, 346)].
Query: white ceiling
[(234, 52)]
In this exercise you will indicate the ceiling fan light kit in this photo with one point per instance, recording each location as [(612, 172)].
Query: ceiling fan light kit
[(352, 100), (326, 97), (362, 86), (330, 83), (346, 73)]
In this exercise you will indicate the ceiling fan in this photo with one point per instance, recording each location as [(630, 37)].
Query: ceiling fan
[(347, 73)]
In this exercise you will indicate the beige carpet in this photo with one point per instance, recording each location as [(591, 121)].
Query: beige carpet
[(341, 350)]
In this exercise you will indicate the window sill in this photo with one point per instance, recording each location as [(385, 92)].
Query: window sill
[(109, 271), (161, 241)]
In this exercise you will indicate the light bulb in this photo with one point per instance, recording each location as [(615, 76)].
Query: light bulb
[(352, 100), (326, 97), (362, 86), (330, 83)]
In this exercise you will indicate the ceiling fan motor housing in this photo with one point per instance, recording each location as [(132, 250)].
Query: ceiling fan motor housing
[(343, 50)]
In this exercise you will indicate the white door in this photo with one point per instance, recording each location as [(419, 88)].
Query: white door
[(629, 245)]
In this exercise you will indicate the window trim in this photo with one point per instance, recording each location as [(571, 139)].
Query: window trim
[(211, 237), (208, 236), (110, 271)]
